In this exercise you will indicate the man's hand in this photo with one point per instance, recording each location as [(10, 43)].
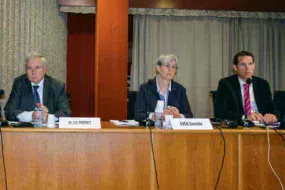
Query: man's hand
[(255, 117), (45, 114), (269, 118)]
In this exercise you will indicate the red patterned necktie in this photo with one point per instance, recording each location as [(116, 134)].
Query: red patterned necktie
[(247, 107)]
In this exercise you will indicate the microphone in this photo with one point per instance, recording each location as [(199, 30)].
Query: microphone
[(230, 124), (2, 97), (147, 120), (224, 123), (2, 94), (3, 121), (248, 81), (247, 123)]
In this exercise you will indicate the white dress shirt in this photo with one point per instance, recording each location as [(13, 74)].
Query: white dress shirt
[(166, 95), (251, 94)]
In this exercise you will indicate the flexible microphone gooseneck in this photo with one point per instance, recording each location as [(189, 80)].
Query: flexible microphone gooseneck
[(148, 123), (148, 103), (2, 92), (2, 96), (3, 123), (224, 123), (248, 81)]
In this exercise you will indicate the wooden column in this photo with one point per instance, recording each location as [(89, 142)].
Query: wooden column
[(111, 53)]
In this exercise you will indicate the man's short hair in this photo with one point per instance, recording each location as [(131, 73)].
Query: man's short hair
[(241, 54), (165, 58), (34, 55)]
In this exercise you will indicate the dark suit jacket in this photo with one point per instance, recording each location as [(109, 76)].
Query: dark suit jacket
[(228, 103), (21, 98), (177, 98)]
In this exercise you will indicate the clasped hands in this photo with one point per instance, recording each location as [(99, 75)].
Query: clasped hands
[(45, 114), (267, 118), (170, 110)]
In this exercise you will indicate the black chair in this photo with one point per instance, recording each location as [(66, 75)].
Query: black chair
[(132, 96), (279, 99), (212, 95)]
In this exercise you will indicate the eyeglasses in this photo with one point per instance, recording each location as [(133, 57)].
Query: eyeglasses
[(37, 68), (168, 66), (243, 65)]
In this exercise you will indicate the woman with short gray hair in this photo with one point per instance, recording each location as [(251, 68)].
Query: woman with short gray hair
[(162, 87)]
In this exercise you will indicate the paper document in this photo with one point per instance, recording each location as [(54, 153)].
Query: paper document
[(125, 122)]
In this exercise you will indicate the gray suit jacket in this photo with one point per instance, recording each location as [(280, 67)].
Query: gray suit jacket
[(21, 98)]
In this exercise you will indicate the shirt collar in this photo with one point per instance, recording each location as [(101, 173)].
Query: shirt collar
[(158, 89), (241, 82), (40, 84)]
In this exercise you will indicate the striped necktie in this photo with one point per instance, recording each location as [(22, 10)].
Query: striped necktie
[(36, 95), (247, 107)]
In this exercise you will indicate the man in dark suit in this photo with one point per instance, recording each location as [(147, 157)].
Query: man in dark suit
[(36, 87), (162, 87), (237, 99)]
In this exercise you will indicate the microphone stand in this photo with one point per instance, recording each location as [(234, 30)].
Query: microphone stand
[(3, 121), (147, 120)]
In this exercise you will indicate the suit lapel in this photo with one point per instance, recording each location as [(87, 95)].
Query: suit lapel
[(46, 91), (237, 89), (29, 93), (154, 89), (171, 96), (255, 92)]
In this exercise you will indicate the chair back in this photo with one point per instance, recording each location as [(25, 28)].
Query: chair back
[(212, 96), (132, 96), (279, 99)]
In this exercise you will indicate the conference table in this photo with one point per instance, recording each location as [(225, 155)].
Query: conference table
[(121, 158)]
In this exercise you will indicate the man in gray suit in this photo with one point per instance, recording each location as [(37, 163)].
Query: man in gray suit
[(36, 87)]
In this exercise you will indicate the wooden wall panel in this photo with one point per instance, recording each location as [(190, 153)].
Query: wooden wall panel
[(111, 59), (255, 168), (81, 63), (121, 158), (193, 160), (2, 174), (74, 161), (237, 5)]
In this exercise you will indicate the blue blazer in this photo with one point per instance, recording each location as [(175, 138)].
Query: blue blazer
[(21, 98), (177, 98), (228, 103)]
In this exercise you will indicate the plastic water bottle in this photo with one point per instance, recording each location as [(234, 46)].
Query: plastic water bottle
[(38, 114), (159, 114)]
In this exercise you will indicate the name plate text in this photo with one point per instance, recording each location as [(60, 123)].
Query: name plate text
[(79, 123), (191, 124)]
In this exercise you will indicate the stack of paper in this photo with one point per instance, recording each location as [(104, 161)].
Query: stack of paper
[(125, 122)]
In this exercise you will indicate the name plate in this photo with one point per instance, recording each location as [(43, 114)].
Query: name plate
[(79, 123), (191, 124)]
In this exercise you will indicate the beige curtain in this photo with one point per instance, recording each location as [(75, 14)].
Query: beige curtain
[(205, 47), (27, 26)]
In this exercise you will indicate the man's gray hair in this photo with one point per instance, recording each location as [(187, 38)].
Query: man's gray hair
[(34, 55), (165, 58)]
